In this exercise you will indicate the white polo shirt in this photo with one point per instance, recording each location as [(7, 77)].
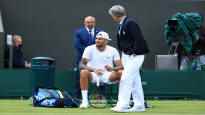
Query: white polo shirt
[(98, 59)]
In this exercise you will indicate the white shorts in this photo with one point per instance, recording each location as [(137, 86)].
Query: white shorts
[(103, 78)]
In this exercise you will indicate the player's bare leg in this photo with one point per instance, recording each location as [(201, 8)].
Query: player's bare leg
[(115, 75), (85, 75)]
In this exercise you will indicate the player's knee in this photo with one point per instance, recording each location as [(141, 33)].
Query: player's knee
[(118, 73), (84, 73)]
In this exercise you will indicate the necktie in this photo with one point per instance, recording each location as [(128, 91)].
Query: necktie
[(91, 36), (119, 28)]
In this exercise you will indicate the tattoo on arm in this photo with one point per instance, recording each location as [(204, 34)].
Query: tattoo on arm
[(83, 65), (118, 65)]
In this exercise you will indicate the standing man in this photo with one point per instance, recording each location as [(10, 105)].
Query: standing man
[(133, 48), (18, 59), (84, 37)]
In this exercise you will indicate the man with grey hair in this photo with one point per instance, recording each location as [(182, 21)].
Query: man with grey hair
[(133, 48)]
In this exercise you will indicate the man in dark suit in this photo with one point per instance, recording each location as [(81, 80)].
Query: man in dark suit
[(133, 48), (84, 37), (18, 58)]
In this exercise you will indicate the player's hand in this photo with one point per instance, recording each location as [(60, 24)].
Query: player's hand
[(108, 67), (99, 71)]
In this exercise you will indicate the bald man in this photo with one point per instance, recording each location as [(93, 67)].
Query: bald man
[(84, 36)]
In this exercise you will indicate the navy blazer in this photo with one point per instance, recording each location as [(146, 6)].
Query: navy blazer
[(130, 39), (82, 40), (18, 57)]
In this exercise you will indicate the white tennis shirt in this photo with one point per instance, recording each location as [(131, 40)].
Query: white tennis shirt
[(99, 59)]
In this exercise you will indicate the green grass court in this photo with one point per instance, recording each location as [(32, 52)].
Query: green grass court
[(179, 107)]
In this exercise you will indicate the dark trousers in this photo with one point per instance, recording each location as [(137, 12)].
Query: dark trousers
[(77, 84)]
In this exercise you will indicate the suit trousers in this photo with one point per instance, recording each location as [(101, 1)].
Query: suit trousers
[(130, 82)]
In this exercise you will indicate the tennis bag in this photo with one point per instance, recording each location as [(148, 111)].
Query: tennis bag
[(43, 97)]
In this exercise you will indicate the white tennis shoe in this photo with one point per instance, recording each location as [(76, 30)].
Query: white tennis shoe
[(126, 110), (84, 105), (119, 109), (137, 109)]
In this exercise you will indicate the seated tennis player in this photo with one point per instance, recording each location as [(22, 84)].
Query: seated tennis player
[(100, 63)]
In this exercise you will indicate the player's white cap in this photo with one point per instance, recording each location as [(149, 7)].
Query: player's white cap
[(103, 34)]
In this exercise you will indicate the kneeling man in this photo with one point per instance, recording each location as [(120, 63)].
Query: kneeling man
[(99, 62)]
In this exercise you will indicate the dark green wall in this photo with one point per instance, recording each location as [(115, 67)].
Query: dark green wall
[(47, 26), (156, 84), (2, 49)]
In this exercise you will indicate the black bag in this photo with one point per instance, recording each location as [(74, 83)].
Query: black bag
[(43, 97)]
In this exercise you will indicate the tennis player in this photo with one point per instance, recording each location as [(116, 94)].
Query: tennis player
[(99, 62)]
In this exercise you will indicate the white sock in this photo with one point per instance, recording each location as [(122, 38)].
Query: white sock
[(84, 96)]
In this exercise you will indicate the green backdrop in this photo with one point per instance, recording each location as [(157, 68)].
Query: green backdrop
[(156, 84)]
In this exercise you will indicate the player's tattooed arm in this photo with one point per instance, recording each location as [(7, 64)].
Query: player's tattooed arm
[(118, 65), (83, 65)]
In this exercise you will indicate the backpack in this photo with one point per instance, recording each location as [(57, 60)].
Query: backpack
[(43, 97)]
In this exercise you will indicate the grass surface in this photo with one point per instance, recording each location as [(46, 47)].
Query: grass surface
[(24, 107)]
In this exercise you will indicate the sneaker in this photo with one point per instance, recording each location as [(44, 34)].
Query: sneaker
[(119, 109), (136, 109), (113, 108), (84, 105)]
